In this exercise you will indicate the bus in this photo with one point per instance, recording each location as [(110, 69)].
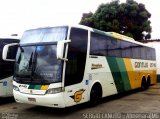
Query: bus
[(62, 66), (7, 68), (155, 43)]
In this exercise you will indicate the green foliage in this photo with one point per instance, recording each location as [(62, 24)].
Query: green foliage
[(130, 18)]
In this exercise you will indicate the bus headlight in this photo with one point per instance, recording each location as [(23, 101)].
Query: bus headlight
[(54, 90), (15, 88)]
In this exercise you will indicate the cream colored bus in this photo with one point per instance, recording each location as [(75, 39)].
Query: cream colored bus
[(67, 65)]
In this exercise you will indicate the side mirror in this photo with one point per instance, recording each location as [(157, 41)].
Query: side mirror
[(60, 49), (9, 52)]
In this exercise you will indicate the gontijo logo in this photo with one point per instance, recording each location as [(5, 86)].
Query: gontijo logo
[(78, 95)]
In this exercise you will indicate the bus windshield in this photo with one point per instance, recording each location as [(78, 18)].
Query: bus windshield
[(36, 61), (41, 35), (38, 65)]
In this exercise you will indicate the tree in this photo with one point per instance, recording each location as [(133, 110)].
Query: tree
[(130, 18)]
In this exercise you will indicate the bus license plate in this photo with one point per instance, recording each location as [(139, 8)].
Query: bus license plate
[(32, 99)]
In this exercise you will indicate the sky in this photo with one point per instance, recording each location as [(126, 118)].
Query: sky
[(16, 16)]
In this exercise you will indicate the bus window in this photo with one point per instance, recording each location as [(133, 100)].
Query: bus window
[(77, 51), (126, 49), (104, 45), (136, 52)]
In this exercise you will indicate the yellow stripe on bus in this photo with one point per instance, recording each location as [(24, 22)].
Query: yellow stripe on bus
[(120, 36), (135, 77), (44, 87), (131, 74)]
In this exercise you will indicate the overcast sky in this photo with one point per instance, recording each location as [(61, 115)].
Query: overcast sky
[(19, 15)]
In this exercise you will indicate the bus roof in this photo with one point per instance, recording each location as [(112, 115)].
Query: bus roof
[(111, 34)]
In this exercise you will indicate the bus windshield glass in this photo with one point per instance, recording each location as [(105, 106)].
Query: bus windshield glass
[(50, 34), (36, 61)]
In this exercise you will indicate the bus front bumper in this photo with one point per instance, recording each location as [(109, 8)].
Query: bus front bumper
[(49, 100)]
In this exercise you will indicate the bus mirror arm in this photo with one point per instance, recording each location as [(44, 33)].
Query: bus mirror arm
[(60, 49)]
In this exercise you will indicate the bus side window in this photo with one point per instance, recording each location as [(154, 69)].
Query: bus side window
[(126, 49), (143, 53), (77, 52)]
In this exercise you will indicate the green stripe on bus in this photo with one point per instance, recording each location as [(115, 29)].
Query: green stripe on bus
[(36, 87), (31, 86), (124, 73), (116, 74)]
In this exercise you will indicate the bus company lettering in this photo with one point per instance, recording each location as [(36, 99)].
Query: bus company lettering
[(152, 64), (96, 66), (23, 85), (144, 65), (141, 64)]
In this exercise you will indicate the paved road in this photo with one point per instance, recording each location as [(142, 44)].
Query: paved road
[(147, 102)]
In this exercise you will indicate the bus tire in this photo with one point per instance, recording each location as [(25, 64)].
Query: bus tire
[(95, 94), (148, 81), (143, 84)]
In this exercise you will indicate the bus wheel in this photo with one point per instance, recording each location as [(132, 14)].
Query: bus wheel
[(96, 94), (143, 84), (148, 81)]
